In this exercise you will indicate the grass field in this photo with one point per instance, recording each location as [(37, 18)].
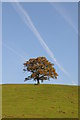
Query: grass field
[(39, 101)]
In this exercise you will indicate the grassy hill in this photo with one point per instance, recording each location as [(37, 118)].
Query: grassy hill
[(39, 101)]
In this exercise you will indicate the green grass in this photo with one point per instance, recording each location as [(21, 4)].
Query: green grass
[(39, 101)]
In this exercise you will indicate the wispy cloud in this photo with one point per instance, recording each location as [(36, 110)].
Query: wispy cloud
[(64, 14), (26, 18), (14, 51)]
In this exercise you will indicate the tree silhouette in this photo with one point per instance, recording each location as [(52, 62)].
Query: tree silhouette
[(40, 69)]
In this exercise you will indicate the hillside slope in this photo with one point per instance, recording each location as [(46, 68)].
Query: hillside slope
[(39, 101)]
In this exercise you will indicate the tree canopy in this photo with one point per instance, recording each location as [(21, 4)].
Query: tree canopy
[(40, 69)]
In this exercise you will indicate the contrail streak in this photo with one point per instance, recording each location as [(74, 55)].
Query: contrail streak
[(14, 51), (26, 18), (65, 16)]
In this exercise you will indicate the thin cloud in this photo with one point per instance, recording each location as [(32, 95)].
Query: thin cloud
[(67, 18), (26, 18), (14, 51)]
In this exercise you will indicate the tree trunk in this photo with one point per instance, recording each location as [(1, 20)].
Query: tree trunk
[(38, 81)]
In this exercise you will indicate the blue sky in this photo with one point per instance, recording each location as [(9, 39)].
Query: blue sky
[(57, 24)]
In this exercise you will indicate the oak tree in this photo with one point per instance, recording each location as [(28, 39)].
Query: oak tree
[(40, 69)]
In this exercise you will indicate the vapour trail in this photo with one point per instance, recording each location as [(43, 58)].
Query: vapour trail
[(14, 51), (26, 18), (67, 18), (24, 15)]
